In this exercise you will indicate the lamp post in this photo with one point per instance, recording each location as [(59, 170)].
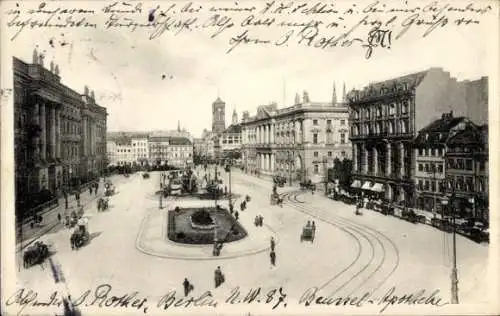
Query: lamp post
[(454, 274)]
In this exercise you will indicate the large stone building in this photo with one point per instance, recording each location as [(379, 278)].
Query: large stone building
[(172, 151), (60, 134), (430, 150), (298, 142), (386, 116)]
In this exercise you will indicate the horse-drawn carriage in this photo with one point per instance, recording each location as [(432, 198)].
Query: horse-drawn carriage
[(35, 254), (307, 185), (409, 215), (308, 232), (81, 234), (109, 189), (145, 175)]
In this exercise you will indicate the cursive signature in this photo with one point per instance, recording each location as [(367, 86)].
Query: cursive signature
[(25, 297)]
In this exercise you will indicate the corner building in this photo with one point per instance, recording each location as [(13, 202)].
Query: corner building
[(384, 119)]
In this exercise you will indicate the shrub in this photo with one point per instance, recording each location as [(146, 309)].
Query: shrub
[(202, 217)]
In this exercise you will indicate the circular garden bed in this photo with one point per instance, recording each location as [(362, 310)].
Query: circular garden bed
[(199, 226)]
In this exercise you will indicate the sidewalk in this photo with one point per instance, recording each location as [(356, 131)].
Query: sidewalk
[(50, 220)]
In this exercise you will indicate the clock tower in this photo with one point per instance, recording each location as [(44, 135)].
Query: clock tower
[(218, 116)]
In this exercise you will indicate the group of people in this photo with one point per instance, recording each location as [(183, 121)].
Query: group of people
[(259, 220), (93, 187)]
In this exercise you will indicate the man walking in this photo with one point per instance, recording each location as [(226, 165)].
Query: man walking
[(273, 244), (273, 258), (188, 287)]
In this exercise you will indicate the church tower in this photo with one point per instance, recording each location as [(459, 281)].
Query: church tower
[(235, 118), (218, 116)]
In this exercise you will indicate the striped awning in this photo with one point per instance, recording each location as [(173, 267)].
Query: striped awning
[(377, 187), (356, 184), (366, 186)]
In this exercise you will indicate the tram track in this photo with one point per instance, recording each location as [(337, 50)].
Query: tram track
[(381, 239), (354, 233)]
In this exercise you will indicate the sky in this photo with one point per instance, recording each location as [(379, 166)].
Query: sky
[(125, 69)]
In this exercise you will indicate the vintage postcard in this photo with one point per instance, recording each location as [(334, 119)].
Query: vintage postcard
[(282, 157)]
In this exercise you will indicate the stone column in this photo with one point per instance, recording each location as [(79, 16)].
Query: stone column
[(355, 155), (402, 162), (36, 121), (388, 160), (298, 138), (43, 134), (58, 134), (273, 135), (273, 162), (52, 132), (259, 134), (268, 134), (364, 163), (84, 119), (375, 160)]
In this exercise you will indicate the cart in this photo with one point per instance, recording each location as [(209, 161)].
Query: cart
[(308, 233), (80, 236)]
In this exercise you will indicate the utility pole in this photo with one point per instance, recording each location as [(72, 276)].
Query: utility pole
[(454, 273)]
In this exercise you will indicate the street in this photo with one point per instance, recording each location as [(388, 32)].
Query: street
[(351, 255)]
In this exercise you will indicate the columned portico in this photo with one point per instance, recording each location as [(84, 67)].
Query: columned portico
[(43, 133), (53, 132), (388, 160)]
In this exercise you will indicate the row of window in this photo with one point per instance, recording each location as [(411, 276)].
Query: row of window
[(463, 164), (329, 138), (377, 128), (382, 110), (431, 152), (328, 122), (461, 184), (316, 154), (431, 167)]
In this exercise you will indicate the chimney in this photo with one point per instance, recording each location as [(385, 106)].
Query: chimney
[(51, 66), (92, 95), (56, 70), (297, 99), (86, 91)]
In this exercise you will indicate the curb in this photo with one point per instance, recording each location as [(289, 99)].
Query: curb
[(20, 246), (153, 253)]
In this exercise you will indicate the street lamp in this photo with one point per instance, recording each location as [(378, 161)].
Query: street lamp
[(454, 274)]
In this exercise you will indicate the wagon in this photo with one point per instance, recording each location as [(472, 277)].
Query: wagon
[(308, 233), (35, 254), (145, 175), (81, 235)]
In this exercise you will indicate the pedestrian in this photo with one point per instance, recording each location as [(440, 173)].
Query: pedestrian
[(272, 255), (219, 277), (188, 287), (59, 217), (273, 244), (90, 189), (236, 215), (96, 187)]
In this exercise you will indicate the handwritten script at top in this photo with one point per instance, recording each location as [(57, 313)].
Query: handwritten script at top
[(320, 25)]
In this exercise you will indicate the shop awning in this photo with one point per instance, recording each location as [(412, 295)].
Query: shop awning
[(377, 187), (366, 186), (356, 184)]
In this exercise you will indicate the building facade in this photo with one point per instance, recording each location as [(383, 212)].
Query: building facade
[(385, 118), (140, 148), (430, 148), (60, 134), (230, 141), (158, 150), (203, 148), (298, 142), (180, 152), (467, 171)]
